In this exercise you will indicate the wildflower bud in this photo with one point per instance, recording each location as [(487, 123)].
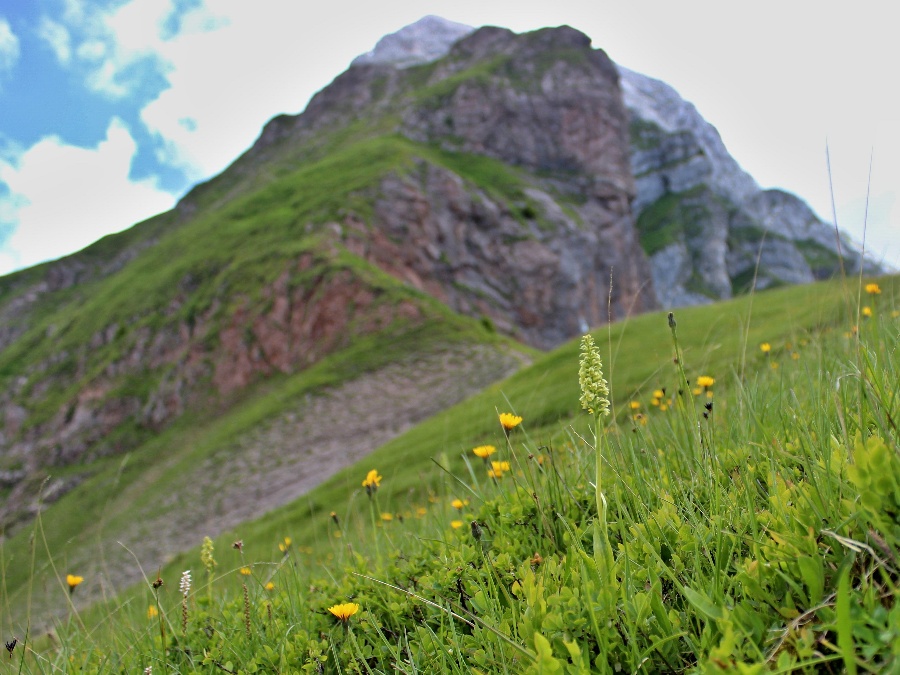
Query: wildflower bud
[(477, 532), (158, 583), (11, 645), (672, 320), (708, 406), (238, 545), (206, 555), (594, 389), (334, 517)]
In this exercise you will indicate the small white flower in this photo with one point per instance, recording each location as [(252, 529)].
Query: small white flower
[(185, 585)]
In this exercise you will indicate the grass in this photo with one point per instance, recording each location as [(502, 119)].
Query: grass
[(754, 531)]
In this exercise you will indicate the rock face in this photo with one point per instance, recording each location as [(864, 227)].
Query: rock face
[(539, 265), (704, 222)]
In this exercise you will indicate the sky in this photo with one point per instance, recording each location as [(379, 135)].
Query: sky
[(110, 110)]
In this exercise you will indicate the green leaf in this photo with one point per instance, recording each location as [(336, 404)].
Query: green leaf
[(703, 604)]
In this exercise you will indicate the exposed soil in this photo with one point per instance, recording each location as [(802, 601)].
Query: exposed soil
[(289, 455)]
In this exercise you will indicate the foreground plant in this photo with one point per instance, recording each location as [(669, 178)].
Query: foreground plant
[(595, 399)]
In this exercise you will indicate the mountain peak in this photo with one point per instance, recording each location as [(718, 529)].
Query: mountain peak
[(426, 40)]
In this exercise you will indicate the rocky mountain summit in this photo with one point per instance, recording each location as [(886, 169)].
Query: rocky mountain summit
[(705, 224)]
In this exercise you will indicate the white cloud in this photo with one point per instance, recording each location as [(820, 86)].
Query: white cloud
[(110, 43), (9, 46), (234, 66), (66, 197), (57, 36)]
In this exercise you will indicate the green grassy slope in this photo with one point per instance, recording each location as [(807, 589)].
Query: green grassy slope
[(754, 402)]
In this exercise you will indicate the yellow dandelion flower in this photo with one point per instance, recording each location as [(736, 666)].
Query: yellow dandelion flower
[(765, 348), (421, 511), (372, 481), (873, 289), (634, 405), (484, 451), (696, 391), (492, 473), (245, 571), (387, 517), (270, 586), (655, 402), (284, 545), (867, 312), (659, 393), (456, 524), (705, 381), (344, 611), (795, 356), (459, 504), (663, 407), (73, 581), (509, 421), (500, 466), (152, 612)]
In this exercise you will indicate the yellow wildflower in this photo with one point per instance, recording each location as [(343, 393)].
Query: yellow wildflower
[(344, 611), (73, 581), (387, 517), (509, 421), (696, 391), (634, 405), (270, 586), (421, 511), (659, 393), (152, 612), (765, 348), (705, 381), (284, 545), (459, 504), (484, 451), (371, 483), (500, 466), (494, 474), (245, 571), (373, 480), (873, 289), (867, 312), (456, 524)]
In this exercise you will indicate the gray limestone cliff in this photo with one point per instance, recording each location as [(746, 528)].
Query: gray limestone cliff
[(708, 228)]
